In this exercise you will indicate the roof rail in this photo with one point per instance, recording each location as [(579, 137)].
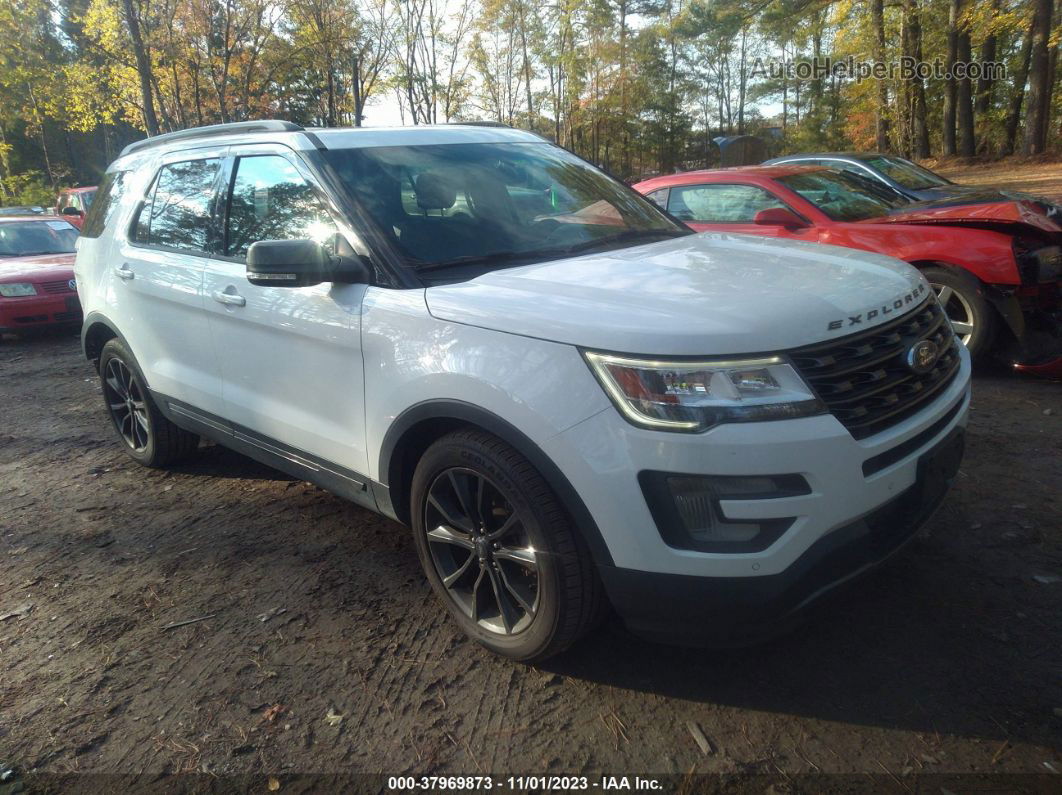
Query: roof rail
[(482, 124), (234, 128)]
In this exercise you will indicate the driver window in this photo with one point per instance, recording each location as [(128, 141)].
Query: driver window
[(271, 201)]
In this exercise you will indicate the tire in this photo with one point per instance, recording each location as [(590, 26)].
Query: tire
[(543, 570), (963, 299), (147, 436)]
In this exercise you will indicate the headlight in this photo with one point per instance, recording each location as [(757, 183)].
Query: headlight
[(1037, 262), (17, 289), (694, 396)]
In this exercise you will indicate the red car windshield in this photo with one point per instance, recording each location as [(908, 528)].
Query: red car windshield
[(840, 196), (28, 238)]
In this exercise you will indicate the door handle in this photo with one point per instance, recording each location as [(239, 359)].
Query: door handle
[(124, 272), (232, 299)]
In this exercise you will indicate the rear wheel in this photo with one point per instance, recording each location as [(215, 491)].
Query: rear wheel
[(148, 437), (499, 550), (963, 300)]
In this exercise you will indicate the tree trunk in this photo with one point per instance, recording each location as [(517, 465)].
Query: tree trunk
[(965, 100), (1039, 105), (951, 87), (742, 83), (985, 84), (143, 68), (877, 12), (355, 84), (917, 129), (1010, 136)]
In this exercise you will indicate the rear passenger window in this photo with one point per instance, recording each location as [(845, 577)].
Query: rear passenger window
[(108, 198), (271, 201), (177, 212)]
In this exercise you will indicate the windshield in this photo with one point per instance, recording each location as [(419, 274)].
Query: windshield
[(841, 196), (26, 238), (904, 172), (492, 203)]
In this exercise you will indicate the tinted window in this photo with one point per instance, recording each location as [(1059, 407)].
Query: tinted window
[(271, 201), (177, 213), (658, 197), (110, 196), (720, 204), (840, 195), (28, 238), (904, 172)]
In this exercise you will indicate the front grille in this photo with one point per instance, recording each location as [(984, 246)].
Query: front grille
[(864, 378), (56, 287), (67, 317)]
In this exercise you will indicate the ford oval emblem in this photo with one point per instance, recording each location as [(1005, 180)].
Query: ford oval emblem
[(922, 356), (72, 284)]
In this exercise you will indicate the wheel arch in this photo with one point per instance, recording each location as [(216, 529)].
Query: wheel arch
[(1003, 302), (416, 428), (96, 331)]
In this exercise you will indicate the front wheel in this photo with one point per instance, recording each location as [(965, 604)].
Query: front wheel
[(499, 550), (962, 298)]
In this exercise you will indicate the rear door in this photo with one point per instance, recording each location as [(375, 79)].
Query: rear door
[(289, 357), (157, 278)]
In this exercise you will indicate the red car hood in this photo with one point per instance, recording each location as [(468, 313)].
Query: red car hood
[(986, 214), (45, 267)]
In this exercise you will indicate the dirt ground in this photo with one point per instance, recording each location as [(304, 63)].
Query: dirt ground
[(1038, 178), (325, 651)]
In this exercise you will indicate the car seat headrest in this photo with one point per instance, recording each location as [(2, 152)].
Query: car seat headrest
[(434, 191)]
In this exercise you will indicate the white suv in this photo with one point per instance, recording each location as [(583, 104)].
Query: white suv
[(572, 399)]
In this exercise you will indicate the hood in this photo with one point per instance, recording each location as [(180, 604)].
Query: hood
[(44, 267), (699, 295), (981, 209)]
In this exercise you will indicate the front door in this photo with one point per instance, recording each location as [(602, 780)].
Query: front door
[(289, 358)]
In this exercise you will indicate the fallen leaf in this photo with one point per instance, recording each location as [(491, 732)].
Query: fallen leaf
[(333, 718), (274, 784)]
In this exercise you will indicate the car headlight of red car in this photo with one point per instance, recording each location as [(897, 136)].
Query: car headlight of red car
[(17, 290), (1038, 263)]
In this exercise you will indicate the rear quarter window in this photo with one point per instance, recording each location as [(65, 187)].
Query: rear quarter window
[(107, 199)]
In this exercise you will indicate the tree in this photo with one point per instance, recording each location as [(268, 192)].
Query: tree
[(1038, 107), (143, 67)]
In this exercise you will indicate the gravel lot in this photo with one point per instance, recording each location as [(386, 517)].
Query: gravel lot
[(326, 652)]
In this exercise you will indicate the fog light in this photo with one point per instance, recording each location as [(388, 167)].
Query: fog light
[(696, 498), (688, 514)]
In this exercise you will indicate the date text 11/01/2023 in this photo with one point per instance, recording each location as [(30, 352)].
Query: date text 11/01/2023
[(523, 783)]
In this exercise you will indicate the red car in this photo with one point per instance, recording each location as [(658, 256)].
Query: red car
[(37, 287), (996, 265), (73, 204)]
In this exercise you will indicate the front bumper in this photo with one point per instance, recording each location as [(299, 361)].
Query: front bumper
[(1033, 315), (736, 610), (854, 485), (19, 314)]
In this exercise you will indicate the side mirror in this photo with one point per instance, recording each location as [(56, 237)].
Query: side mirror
[(72, 211), (779, 216), (300, 263)]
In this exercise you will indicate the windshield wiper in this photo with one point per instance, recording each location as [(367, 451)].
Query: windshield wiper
[(545, 253)]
